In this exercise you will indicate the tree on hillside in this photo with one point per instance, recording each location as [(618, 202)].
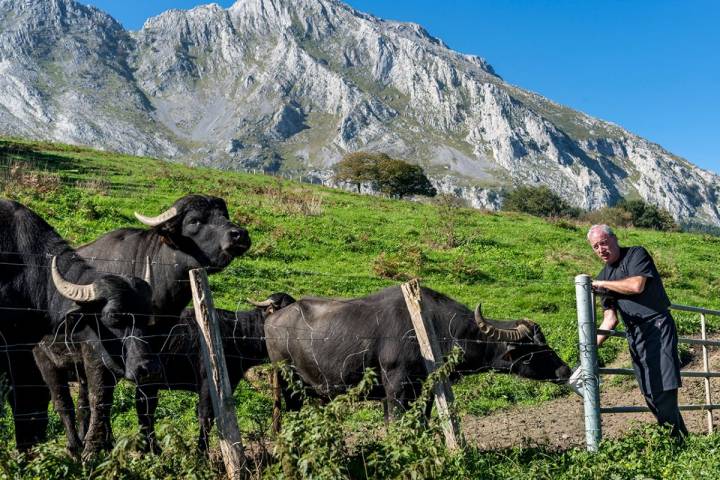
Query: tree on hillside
[(398, 179), (393, 177), (646, 215), (357, 168), (539, 201)]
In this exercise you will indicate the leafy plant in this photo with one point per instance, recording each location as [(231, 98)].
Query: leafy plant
[(539, 201)]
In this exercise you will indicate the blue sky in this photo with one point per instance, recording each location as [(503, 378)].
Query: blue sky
[(652, 67)]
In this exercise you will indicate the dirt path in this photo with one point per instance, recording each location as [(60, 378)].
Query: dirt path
[(560, 423)]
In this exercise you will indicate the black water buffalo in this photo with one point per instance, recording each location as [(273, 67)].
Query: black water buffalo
[(47, 289), (194, 232), (329, 343), (183, 367)]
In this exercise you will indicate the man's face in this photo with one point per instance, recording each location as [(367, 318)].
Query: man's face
[(605, 246)]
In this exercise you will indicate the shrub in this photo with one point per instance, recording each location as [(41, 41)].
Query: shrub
[(445, 235), (402, 265), (613, 216), (539, 201), (633, 213), (313, 443), (646, 215), (21, 177)]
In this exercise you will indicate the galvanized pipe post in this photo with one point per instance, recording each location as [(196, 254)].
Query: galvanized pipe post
[(588, 361), (706, 366)]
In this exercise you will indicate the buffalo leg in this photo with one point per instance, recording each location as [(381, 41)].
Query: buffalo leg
[(396, 400), (101, 385), (429, 406), (56, 379), (293, 401), (146, 402), (83, 404), (29, 400)]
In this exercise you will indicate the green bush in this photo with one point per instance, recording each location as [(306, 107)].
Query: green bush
[(645, 215), (633, 213), (539, 201)]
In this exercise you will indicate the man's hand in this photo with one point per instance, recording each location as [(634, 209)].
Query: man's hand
[(597, 288)]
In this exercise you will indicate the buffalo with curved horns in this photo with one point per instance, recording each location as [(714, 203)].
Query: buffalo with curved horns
[(47, 289), (329, 343), (194, 232)]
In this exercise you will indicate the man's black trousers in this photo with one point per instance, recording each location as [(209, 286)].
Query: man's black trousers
[(664, 405)]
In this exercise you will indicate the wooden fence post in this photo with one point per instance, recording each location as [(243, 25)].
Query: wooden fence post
[(277, 399), (220, 390), (430, 350)]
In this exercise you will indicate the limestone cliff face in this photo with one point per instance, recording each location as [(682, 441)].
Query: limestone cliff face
[(294, 84)]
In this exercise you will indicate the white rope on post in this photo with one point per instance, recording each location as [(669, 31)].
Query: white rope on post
[(430, 350), (220, 390), (588, 361)]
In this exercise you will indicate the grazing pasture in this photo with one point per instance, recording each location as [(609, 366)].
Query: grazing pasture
[(315, 241)]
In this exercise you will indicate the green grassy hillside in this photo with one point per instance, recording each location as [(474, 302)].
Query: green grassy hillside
[(310, 240)]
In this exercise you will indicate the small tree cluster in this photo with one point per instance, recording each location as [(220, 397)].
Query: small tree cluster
[(543, 202), (393, 177), (633, 213), (539, 201), (646, 215)]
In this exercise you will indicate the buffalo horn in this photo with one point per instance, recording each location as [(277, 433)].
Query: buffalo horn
[(263, 304), (501, 334), (76, 293), (154, 221)]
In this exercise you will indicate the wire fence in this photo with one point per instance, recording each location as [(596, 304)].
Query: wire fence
[(238, 339), (297, 334)]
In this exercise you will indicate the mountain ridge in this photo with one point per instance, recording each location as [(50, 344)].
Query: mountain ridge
[(279, 84)]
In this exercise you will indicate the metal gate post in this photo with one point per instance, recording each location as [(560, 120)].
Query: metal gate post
[(588, 361)]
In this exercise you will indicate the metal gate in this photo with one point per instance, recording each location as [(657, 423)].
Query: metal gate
[(588, 331)]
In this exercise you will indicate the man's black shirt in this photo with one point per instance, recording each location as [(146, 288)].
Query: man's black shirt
[(652, 301)]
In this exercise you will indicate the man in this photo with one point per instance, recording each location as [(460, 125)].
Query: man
[(630, 284)]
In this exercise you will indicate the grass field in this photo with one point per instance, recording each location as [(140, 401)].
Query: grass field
[(310, 240)]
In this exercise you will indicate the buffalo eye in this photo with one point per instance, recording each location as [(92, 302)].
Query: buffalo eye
[(193, 225), (117, 319)]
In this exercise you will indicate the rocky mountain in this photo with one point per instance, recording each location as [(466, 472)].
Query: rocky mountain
[(294, 84)]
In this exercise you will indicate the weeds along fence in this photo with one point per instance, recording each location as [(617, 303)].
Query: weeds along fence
[(591, 372)]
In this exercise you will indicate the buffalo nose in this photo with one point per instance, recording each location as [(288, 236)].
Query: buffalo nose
[(148, 372), (239, 239), (239, 235), (563, 373)]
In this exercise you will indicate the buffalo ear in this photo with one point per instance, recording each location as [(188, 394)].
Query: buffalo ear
[(170, 231)]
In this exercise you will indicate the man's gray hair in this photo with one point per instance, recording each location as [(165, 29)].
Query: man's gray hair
[(603, 228)]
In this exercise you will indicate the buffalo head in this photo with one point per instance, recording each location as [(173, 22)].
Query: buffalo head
[(521, 349), (273, 303), (110, 316), (199, 226)]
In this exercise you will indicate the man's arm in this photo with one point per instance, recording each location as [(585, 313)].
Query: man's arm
[(610, 321), (626, 286)]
